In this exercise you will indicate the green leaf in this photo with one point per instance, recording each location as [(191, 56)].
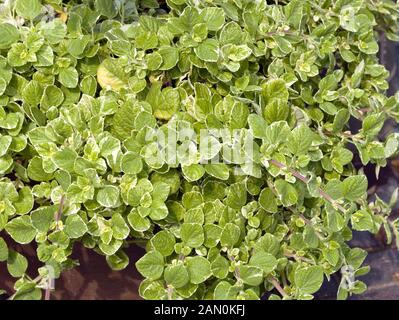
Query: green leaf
[(267, 200), (106, 8), (43, 217), (28, 291), (21, 229), (137, 222), (275, 89), (65, 159), (257, 125), (218, 170), (88, 85), (54, 31), (75, 227), (209, 148), (199, 269), (118, 261), (391, 146), (208, 50), (301, 140), (200, 32), (18, 55), (16, 264), (276, 110), (220, 267), (310, 237), (28, 9), (372, 124), (340, 120), (5, 163), (192, 234), (109, 146), (335, 221), (308, 279), (154, 61), (251, 275), (110, 75), (176, 276), (355, 257), (213, 17), (137, 85), (287, 192), (164, 242), (193, 172), (5, 142), (347, 18), (239, 52), (8, 35), (223, 291), (68, 77), (231, 33), (25, 201), (264, 261), (147, 40), (108, 196), (170, 57), (32, 93), (294, 13), (110, 248), (160, 191), (171, 178), (230, 235), (236, 196), (151, 265), (358, 75), (120, 229), (283, 44), (45, 57), (152, 290), (52, 97), (3, 250), (212, 235), (362, 221), (76, 46), (354, 188)]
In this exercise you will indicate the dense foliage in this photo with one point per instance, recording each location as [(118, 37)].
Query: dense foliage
[(88, 86)]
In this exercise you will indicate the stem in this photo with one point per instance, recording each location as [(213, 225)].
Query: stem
[(170, 293), (236, 271), (49, 287), (294, 173), (271, 187), (284, 280), (278, 287), (47, 293), (59, 211), (298, 258), (299, 176)]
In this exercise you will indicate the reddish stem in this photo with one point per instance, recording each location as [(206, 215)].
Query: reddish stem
[(278, 287), (306, 180)]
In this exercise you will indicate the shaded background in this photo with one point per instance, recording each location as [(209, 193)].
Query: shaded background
[(93, 279), (383, 279)]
